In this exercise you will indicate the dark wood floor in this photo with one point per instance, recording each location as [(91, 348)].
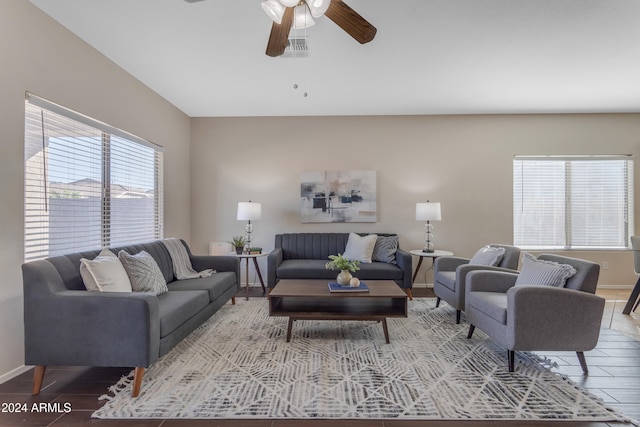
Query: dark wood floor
[(614, 376)]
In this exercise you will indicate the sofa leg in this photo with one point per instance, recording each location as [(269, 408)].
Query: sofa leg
[(511, 355), (137, 380), (38, 377), (233, 300), (583, 362), (470, 333), (438, 302), (409, 293), (458, 312)]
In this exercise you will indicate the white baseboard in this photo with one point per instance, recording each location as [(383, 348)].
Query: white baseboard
[(430, 285), (615, 286), (423, 285), (14, 373)]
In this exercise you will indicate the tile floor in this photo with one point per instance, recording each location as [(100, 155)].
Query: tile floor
[(614, 376)]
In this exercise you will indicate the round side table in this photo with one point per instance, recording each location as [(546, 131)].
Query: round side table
[(422, 255), (254, 257)]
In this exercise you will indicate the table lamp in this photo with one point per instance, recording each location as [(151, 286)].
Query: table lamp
[(428, 212), (248, 211)]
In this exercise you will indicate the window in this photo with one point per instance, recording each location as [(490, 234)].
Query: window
[(576, 202), (87, 185)]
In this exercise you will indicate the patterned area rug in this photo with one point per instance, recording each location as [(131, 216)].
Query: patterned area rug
[(238, 365)]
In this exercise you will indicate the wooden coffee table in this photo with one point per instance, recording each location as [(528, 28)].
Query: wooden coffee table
[(311, 300)]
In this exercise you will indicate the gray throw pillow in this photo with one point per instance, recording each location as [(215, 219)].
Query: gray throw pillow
[(488, 255), (143, 272), (385, 249), (543, 273)]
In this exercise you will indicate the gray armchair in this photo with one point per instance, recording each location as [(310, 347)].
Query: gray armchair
[(449, 274), (533, 317)]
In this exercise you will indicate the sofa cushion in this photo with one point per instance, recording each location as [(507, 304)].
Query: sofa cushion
[(488, 255), (543, 273), (104, 273), (360, 248), (385, 249), (379, 271), (175, 308), (315, 269), (143, 272), (447, 279), (215, 285), (492, 304), (305, 269)]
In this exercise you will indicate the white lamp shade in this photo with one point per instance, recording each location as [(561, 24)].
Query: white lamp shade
[(248, 211), (428, 212), (274, 9), (302, 17), (289, 3), (318, 7)]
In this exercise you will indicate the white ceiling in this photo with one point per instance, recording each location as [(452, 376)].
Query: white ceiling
[(428, 57)]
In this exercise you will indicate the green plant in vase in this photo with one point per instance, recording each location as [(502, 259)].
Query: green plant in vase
[(238, 243), (346, 267)]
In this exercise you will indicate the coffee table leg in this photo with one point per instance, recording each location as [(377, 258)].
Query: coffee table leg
[(289, 329), (385, 329)]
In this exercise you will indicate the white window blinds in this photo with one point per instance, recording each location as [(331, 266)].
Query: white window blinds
[(580, 202), (87, 185)]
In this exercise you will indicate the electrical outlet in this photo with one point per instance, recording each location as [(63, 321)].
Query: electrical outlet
[(605, 265)]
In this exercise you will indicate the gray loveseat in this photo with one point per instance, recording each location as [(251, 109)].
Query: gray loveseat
[(66, 325), (304, 255)]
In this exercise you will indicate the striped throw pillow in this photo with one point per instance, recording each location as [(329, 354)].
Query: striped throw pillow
[(143, 272), (385, 249), (543, 273)]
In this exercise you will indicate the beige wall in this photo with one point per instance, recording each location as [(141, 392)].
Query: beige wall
[(464, 162), (40, 56)]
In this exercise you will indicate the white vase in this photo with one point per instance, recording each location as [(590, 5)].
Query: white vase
[(344, 277)]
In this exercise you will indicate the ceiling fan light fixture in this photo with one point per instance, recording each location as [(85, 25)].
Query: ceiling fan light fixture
[(318, 7), (302, 17), (274, 9), (289, 3)]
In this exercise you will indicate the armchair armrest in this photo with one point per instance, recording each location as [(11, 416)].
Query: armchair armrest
[(490, 281), (463, 270), (404, 260), (274, 259), (91, 328), (448, 263), (550, 318)]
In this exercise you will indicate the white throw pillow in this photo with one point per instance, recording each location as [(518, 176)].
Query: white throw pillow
[(543, 273), (360, 248), (104, 273), (489, 255)]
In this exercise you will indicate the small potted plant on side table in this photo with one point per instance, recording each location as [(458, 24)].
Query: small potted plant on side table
[(238, 243), (346, 267)]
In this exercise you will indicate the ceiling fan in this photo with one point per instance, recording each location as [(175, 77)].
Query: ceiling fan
[(299, 14)]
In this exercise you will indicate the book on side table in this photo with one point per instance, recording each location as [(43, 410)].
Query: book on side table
[(335, 287)]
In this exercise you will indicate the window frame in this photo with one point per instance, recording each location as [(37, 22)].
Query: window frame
[(145, 156), (626, 196)]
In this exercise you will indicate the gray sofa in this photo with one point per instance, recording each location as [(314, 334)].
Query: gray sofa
[(66, 325), (304, 255)]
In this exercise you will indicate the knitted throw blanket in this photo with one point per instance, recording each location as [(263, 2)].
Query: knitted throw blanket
[(182, 267)]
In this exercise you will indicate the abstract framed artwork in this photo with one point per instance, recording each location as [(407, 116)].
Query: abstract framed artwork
[(338, 196)]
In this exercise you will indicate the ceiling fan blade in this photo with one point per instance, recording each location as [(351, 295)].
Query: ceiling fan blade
[(279, 37), (350, 21)]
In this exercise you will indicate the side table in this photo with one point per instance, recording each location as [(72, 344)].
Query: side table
[(254, 257), (433, 255)]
